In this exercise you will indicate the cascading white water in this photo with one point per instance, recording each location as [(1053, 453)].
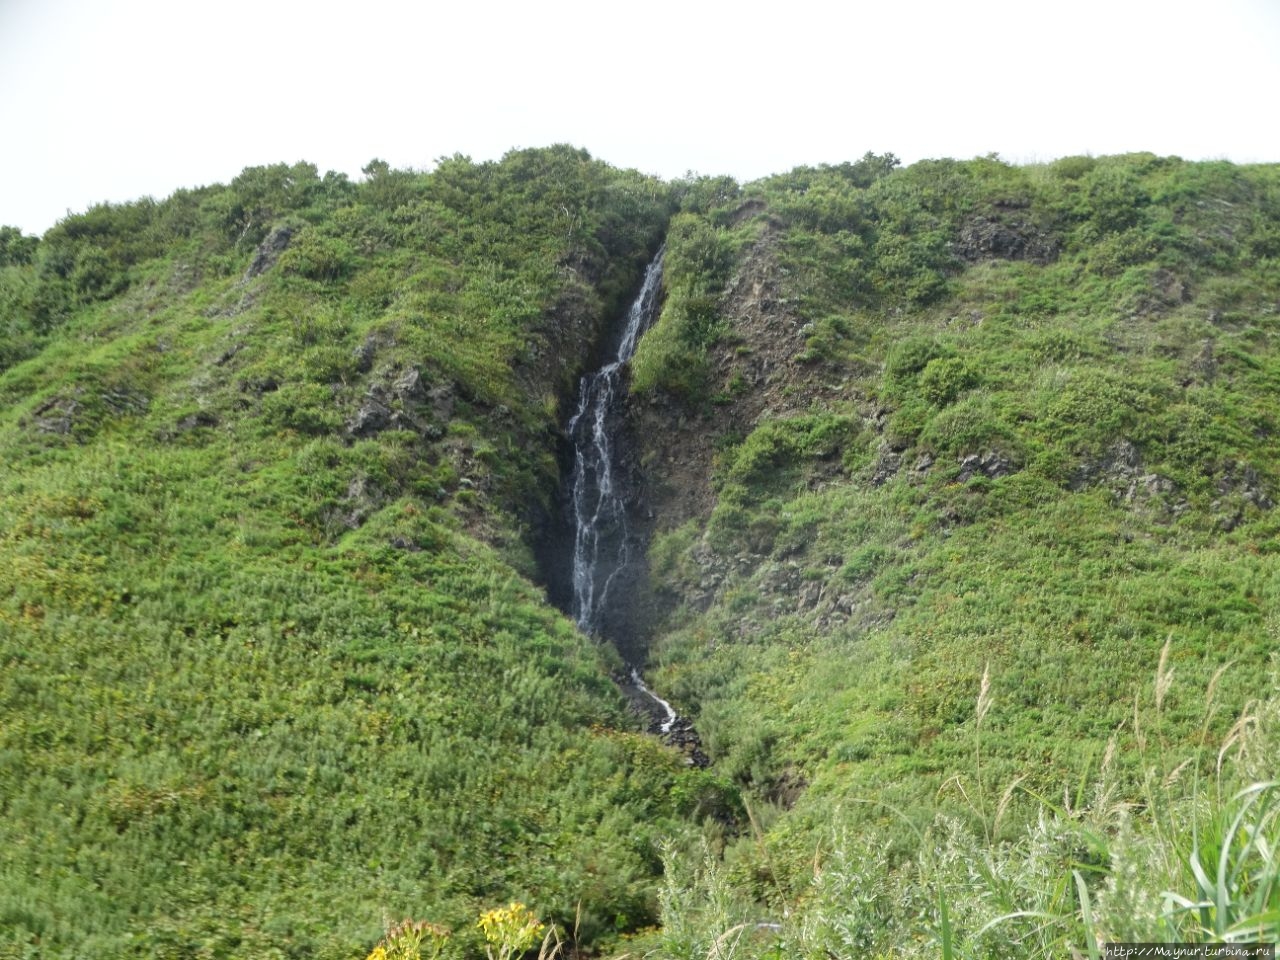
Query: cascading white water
[(602, 543), (670, 718)]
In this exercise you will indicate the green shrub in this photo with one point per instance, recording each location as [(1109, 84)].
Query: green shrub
[(16, 249), (1094, 404), (910, 355), (906, 422), (975, 424), (317, 257), (945, 378), (1072, 168), (698, 255)]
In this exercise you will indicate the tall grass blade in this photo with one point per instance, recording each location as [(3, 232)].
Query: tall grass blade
[(1086, 913), (944, 919)]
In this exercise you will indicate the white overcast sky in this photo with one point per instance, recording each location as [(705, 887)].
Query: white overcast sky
[(110, 100)]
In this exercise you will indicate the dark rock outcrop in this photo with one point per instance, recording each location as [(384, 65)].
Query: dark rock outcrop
[(269, 250), (989, 464), (402, 401), (1014, 238)]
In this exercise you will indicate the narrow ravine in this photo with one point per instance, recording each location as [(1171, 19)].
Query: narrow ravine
[(604, 544)]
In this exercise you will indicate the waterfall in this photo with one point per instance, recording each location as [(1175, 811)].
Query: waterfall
[(602, 543)]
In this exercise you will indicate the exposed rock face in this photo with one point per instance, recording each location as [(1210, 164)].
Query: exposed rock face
[(989, 464), (373, 416), (268, 252), (56, 415), (1244, 481), (764, 358), (362, 500), (195, 421), (364, 354), (1239, 488), (82, 411), (200, 420), (1121, 462), (1203, 368), (1009, 238), (888, 463), (1121, 471), (402, 401)]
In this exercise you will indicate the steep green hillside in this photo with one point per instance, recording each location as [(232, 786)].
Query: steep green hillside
[(273, 667), (956, 428), (958, 483)]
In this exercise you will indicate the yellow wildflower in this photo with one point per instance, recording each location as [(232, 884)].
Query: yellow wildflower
[(404, 941), (509, 930)]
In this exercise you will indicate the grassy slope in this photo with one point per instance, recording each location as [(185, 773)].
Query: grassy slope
[(1099, 333), (268, 682)]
